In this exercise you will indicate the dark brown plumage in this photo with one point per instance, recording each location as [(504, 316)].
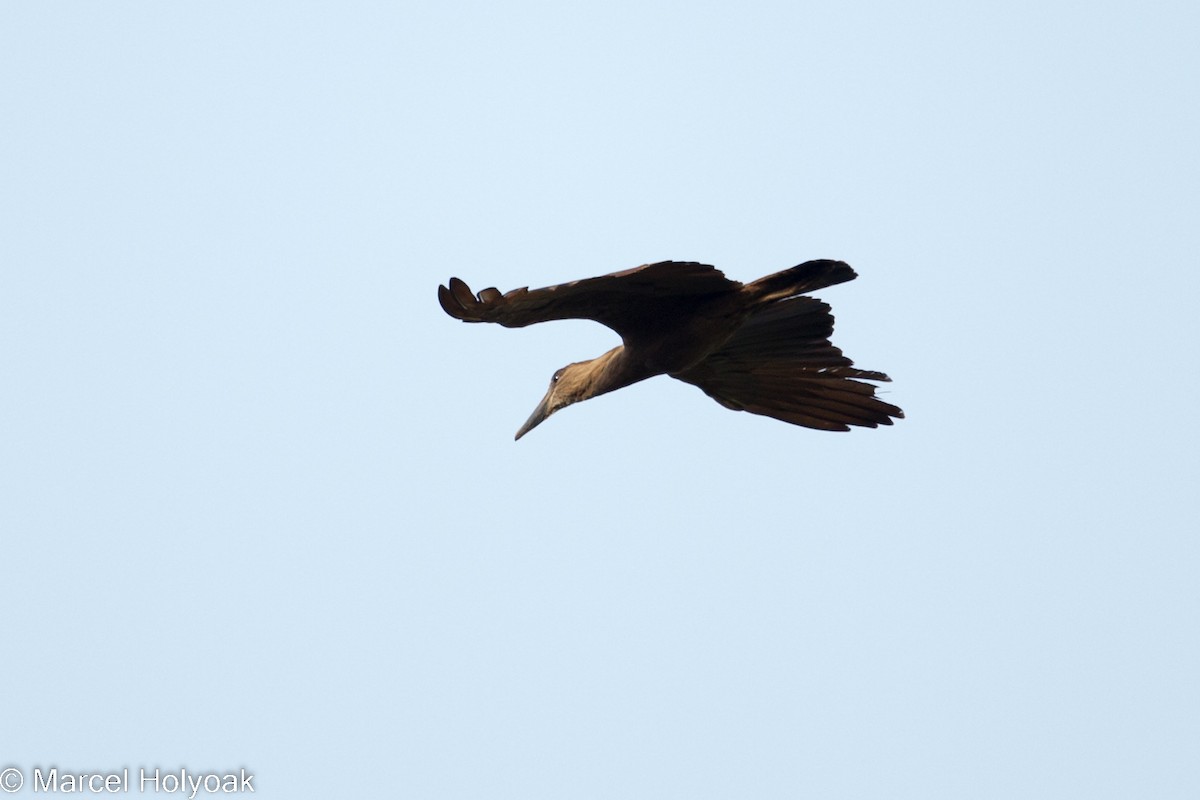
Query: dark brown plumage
[(760, 347)]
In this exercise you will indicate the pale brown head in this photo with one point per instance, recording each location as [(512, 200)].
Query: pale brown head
[(572, 383)]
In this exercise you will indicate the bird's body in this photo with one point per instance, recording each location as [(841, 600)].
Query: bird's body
[(761, 347)]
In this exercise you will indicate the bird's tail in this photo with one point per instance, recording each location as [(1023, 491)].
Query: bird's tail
[(781, 364), (802, 279)]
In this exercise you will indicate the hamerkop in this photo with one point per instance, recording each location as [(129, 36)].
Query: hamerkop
[(760, 347)]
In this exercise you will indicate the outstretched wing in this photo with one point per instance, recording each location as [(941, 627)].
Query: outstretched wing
[(781, 364), (628, 301)]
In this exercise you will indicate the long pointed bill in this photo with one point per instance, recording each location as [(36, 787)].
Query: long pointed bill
[(540, 413)]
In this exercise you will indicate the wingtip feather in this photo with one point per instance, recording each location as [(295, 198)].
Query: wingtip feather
[(462, 293), (449, 304)]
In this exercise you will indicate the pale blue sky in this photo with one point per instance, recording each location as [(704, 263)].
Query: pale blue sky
[(260, 501)]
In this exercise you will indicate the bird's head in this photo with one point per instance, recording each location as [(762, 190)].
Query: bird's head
[(568, 385)]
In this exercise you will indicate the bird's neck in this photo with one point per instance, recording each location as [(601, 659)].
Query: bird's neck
[(616, 370)]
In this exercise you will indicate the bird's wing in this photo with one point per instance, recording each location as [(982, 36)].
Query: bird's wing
[(781, 364), (628, 301)]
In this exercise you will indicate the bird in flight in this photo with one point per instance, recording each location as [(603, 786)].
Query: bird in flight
[(761, 347)]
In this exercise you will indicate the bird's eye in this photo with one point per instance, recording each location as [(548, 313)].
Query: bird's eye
[(557, 375)]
